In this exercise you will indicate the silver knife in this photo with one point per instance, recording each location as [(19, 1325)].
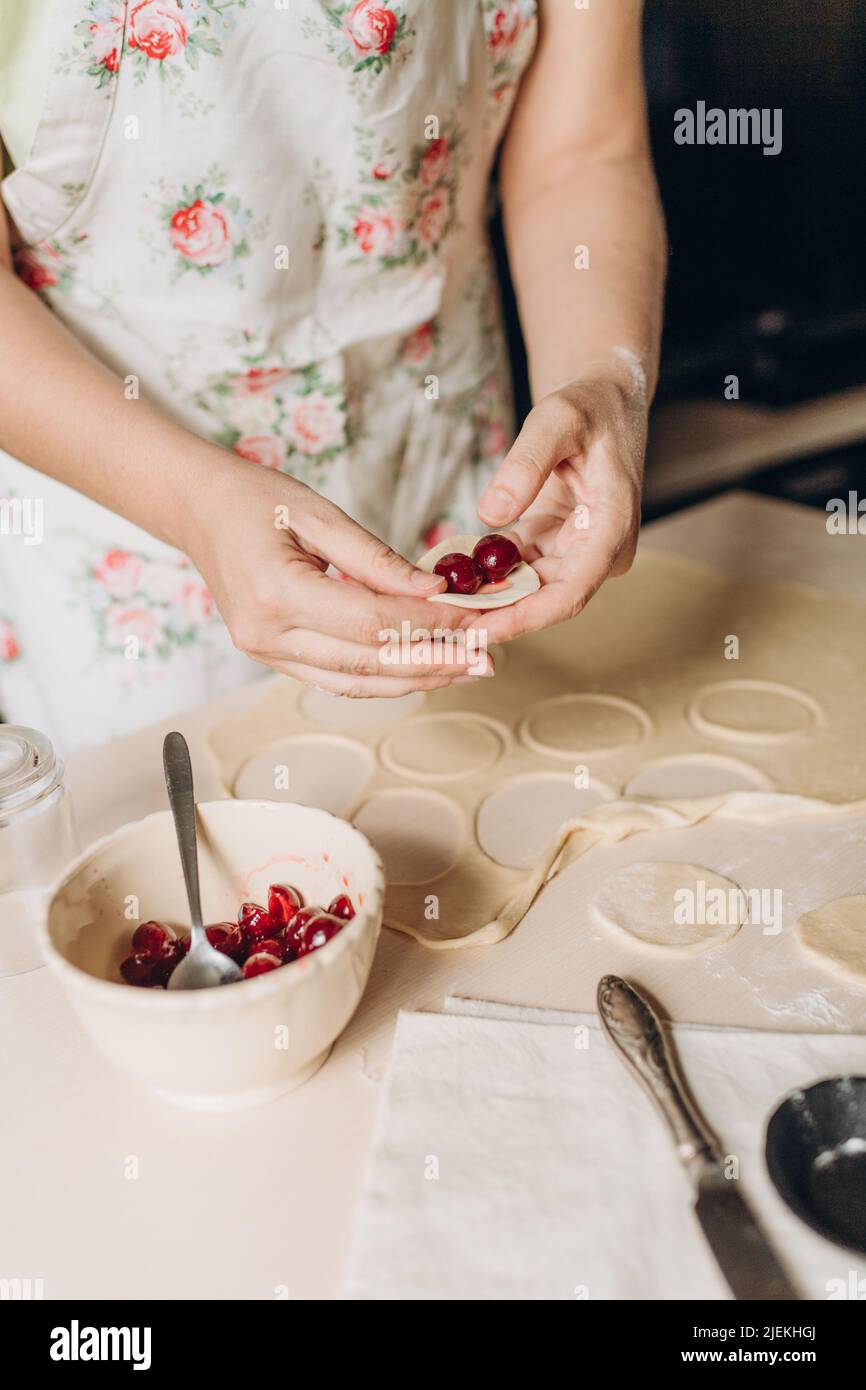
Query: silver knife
[(740, 1247)]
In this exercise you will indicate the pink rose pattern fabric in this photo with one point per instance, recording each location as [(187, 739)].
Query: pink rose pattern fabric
[(292, 420), (9, 648), (144, 609), (510, 27), (406, 208), (393, 213), (205, 227), (51, 264), (166, 39), (365, 37)]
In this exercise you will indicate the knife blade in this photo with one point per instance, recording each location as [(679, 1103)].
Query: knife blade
[(740, 1248)]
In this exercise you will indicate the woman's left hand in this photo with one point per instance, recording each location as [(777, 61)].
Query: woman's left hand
[(571, 486)]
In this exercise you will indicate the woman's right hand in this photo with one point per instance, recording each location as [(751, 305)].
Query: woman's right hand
[(262, 541)]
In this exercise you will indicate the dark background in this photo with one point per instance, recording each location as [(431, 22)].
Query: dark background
[(768, 253), (767, 273)]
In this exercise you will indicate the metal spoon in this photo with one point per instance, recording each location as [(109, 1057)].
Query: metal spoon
[(742, 1251), (202, 966)]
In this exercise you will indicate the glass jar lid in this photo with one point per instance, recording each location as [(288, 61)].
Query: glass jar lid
[(29, 767)]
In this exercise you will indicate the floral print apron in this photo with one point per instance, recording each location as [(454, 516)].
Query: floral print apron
[(270, 217)]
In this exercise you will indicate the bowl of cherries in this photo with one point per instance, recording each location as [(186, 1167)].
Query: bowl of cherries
[(262, 939), (293, 894)]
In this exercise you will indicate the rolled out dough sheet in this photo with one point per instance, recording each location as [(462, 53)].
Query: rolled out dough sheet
[(673, 670), (836, 935)]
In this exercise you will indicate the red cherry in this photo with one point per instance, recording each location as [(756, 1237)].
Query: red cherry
[(342, 907), (496, 556), (164, 964), (270, 945), (137, 969), (259, 964), (149, 938), (299, 923), (284, 901), (235, 944), (463, 574), (227, 937), (318, 933), (256, 922)]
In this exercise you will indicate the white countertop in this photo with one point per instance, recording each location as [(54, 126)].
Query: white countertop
[(288, 1174)]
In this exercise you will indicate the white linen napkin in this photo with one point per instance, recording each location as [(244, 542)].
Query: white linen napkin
[(515, 1157)]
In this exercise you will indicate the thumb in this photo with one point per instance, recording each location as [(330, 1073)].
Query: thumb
[(361, 555), (551, 432)]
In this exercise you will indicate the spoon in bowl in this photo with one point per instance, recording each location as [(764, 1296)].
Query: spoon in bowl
[(202, 966)]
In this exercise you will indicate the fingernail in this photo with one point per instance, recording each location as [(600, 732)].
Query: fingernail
[(422, 580), (465, 680), (497, 505)]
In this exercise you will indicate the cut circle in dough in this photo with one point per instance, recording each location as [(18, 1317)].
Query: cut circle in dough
[(689, 775), (445, 747), (584, 725), (322, 770), (521, 582), (419, 834), (516, 823), (752, 711), (836, 934), (646, 900)]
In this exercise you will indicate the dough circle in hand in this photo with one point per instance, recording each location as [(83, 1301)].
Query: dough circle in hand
[(836, 933), (521, 581), (682, 907)]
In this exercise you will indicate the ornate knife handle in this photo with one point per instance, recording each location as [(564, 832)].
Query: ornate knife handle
[(635, 1031)]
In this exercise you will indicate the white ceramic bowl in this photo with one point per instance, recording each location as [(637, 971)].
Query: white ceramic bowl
[(241, 1044)]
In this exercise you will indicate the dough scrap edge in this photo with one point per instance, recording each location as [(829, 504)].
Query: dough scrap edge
[(618, 820)]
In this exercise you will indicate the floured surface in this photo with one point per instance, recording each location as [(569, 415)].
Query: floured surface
[(553, 961), (644, 901), (836, 934), (641, 682)]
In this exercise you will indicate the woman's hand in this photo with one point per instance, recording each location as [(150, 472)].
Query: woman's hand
[(587, 251), (573, 478), (263, 542)]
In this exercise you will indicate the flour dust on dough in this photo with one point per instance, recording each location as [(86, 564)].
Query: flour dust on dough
[(682, 907), (521, 582), (836, 934)]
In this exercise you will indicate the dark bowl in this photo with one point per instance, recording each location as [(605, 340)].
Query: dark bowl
[(816, 1156)]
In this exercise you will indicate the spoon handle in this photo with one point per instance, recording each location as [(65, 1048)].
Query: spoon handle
[(633, 1028), (181, 796)]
